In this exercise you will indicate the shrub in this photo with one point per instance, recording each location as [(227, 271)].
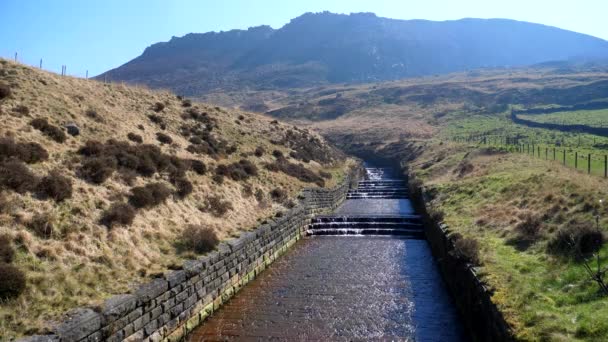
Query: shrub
[(55, 186), (186, 103), (149, 195), (529, 227), (92, 113), (237, 171), (5, 91), (163, 138), (97, 170), (15, 175), (298, 171), (277, 154), (216, 206), (184, 187), (241, 117), (136, 138), (259, 195), (464, 167), (26, 152), (259, 151), (42, 225), (12, 282), (278, 195), (198, 166), (466, 249), (51, 131), (21, 109), (158, 107), (200, 239), (118, 214), (157, 119), (578, 239), (247, 190), (7, 253)]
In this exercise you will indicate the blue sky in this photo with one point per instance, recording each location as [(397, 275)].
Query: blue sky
[(98, 35)]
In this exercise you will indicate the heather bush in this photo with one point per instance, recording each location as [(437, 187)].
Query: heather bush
[(186, 103), (277, 154), (7, 253), (529, 227), (576, 239), (97, 170), (21, 110), (136, 138), (12, 281), (15, 175), (237, 171), (5, 91), (216, 206), (118, 214), (325, 175), (158, 107), (55, 186), (149, 195), (183, 187), (200, 239), (198, 166), (466, 249), (51, 131), (26, 152), (259, 151), (298, 171), (278, 195), (164, 138)]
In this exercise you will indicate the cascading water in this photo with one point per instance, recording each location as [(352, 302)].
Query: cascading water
[(374, 280)]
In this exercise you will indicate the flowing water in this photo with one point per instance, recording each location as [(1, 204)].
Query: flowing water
[(365, 273)]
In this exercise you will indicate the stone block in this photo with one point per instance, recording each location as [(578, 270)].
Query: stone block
[(193, 267), (79, 324), (149, 291), (175, 278)]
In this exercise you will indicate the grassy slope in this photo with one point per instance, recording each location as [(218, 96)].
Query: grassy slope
[(593, 118), (85, 262), (541, 294)]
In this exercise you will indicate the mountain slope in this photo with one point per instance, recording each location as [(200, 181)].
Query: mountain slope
[(318, 48), (207, 166)]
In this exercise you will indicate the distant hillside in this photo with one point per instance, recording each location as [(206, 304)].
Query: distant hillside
[(320, 48)]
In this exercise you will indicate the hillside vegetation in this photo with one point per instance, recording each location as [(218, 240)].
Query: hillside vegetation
[(105, 185)]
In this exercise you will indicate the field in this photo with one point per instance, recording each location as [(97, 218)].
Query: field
[(593, 118)]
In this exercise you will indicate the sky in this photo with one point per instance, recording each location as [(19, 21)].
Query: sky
[(98, 35)]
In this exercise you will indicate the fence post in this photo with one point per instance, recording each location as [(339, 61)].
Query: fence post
[(554, 153), (564, 162), (589, 163), (538, 151), (546, 153), (605, 166), (15, 57), (87, 74), (576, 160), (40, 63)]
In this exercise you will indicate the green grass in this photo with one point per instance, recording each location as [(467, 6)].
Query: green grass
[(594, 118)]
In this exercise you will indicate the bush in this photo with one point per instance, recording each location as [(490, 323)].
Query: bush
[(298, 171), (92, 113), (157, 119), (184, 187), (12, 282), (466, 249), (5, 91), (277, 154), (577, 239), (247, 190), (237, 171), (158, 107), (15, 175), (97, 170), (51, 131), (42, 225), (118, 214), (241, 117), (136, 138), (200, 239), (259, 151), (7, 253), (198, 166), (27, 152), (529, 227), (55, 186), (149, 195), (21, 109), (278, 195), (186, 103), (163, 138), (216, 206)]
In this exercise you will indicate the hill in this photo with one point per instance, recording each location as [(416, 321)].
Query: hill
[(103, 186), (322, 48)]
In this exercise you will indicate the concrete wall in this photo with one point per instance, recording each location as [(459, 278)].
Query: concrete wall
[(168, 308), (473, 299)]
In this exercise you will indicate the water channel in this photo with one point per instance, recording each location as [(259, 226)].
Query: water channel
[(364, 274)]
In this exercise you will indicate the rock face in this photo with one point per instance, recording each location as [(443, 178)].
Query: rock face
[(317, 48)]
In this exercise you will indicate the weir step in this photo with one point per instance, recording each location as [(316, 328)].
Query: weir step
[(368, 218), (414, 234)]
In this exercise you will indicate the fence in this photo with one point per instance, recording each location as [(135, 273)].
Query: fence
[(586, 161)]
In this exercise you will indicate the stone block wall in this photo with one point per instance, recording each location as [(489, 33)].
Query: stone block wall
[(168, 308)]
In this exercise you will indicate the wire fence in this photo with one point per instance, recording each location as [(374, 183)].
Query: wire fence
[(588, 161), (63, 72)]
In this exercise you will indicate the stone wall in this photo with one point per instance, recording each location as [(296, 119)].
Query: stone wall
[(473, 299), (168, 308)]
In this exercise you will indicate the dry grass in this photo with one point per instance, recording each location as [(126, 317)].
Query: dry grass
[(82, 261)]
